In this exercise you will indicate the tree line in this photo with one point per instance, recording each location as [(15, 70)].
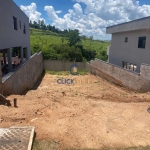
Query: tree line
[(41, 25)]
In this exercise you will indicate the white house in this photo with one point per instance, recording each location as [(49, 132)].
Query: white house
[(130, 44), (14, 33)]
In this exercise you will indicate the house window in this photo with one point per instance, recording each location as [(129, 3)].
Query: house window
[(15, 23), (24, 29), (20, 24), (142, 42), (126, 39), (129, 66)]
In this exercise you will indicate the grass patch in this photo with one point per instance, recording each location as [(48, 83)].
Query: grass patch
[(66, 73), (83, 72), (52, 145), (57, 72), (45, 145), (51, 72), (128, 148)]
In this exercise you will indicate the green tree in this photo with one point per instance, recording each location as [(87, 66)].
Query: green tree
[(62, 40), (84, 37), (103, 55), (73, 37), (30, 24), (91, 39), (35, 25), (42, 25)]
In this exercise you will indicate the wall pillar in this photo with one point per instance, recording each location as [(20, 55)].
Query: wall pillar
[(4, 56), (0, 77), (1, 87), (9, 55), (21, 49), (27, 57), (29, 52), (63, 65)]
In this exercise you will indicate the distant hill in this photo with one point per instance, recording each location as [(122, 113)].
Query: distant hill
[(46, 41)]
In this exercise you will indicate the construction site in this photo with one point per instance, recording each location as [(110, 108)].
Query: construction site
[(92, 113), (61, 89)]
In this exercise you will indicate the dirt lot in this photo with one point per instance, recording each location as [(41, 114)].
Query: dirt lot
[(92, 113)]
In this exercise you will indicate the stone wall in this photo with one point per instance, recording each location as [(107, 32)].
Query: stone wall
[(120, 76), (145, 71), (25, 77), (57, 65)]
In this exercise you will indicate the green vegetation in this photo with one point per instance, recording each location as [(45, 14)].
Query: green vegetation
[(66, 73), (83, 72), (45, 145), (49, 145), (73, 37), (57, 72), (68, 46)]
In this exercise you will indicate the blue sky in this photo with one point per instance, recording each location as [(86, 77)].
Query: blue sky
[(90, 17), (63, 5), (142, 2)]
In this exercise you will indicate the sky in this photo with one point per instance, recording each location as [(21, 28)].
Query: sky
[(90, 17)]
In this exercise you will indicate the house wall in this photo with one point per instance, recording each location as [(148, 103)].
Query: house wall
[(143, 23), (139, 82), (129, 52), (8, 36), (25, 77), (57, 65)]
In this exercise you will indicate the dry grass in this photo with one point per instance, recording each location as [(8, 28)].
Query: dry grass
[(45, 145), (52, 145)]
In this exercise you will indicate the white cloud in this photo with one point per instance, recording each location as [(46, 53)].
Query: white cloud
[(51, 13), (97, 15), (31, 12), (59, 11)]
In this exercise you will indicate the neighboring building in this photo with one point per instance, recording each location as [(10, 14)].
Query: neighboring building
[(130, 45), (14, 32)]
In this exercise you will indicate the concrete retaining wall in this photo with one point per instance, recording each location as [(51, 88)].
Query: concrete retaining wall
[(131, 80), (57, 65), (25, 77)]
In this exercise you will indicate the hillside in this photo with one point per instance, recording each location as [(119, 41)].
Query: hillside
[(43, 40)]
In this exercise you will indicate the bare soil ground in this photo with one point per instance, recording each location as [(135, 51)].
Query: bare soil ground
[(92, 113)]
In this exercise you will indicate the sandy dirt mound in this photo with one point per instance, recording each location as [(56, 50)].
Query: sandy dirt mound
[(92, 113)]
